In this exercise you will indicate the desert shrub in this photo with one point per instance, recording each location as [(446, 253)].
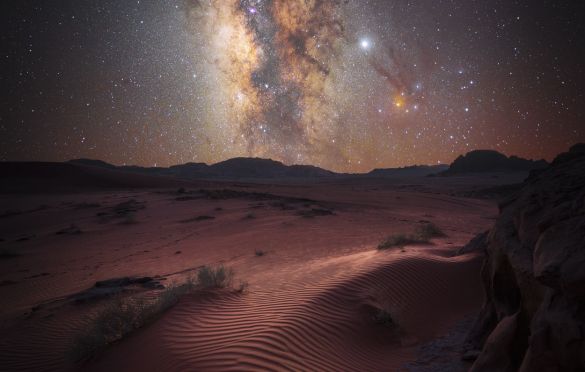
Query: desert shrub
[(214, 277), (242, 287), (384, 318), (428, 231), (122, 316), (397, 240), (422, 235)]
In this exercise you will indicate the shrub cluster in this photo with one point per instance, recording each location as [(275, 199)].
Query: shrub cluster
[(422, 235), (122, 316)]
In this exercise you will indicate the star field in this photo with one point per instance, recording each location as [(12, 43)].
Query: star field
[(345, 85)]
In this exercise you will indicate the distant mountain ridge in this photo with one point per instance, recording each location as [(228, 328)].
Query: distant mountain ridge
[(479, 161), (90, 174), (19, 177), (235, 168)]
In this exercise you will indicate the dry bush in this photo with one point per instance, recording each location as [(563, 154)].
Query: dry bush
[(383, 318), (120, 317), (214, 277), (397, 240), (428, 231), (422, 235)]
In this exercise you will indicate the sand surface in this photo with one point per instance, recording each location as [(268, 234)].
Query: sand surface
[(312, 296)]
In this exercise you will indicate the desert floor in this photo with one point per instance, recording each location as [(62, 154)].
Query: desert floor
[(312, 295)]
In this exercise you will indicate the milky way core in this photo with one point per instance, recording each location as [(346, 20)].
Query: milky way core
[(275, 65)]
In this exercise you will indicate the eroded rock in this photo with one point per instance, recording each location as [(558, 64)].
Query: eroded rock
[(533, 318)]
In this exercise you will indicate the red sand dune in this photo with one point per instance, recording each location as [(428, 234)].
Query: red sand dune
[(312, 298), (304, 326)]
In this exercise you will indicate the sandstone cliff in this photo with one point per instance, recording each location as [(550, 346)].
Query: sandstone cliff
[(533, 318)]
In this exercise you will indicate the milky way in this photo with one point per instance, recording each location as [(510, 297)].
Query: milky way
[(275, 63), (281, 77), (345, 85)]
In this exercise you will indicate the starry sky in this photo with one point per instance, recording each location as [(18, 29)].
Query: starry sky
[(348, 85)]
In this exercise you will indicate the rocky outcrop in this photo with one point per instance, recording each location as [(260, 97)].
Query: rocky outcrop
[(477, 244), (533, 318), (479, 161)]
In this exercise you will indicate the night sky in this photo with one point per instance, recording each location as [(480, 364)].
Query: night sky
[(345, 85)]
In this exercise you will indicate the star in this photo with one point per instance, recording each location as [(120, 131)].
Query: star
[(365, 44)]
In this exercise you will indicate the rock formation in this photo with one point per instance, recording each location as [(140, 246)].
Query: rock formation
[(533, 318), (491, 161)]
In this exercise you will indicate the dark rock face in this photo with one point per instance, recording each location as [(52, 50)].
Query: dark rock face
[(491, 161), (534, 275)]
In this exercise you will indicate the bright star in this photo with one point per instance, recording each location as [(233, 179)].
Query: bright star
[(399, 101), (365, 44)]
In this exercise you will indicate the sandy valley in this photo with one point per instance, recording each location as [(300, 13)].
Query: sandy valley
[(307, 252)]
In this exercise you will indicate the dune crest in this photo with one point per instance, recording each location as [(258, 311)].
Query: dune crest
[(369, 319)]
